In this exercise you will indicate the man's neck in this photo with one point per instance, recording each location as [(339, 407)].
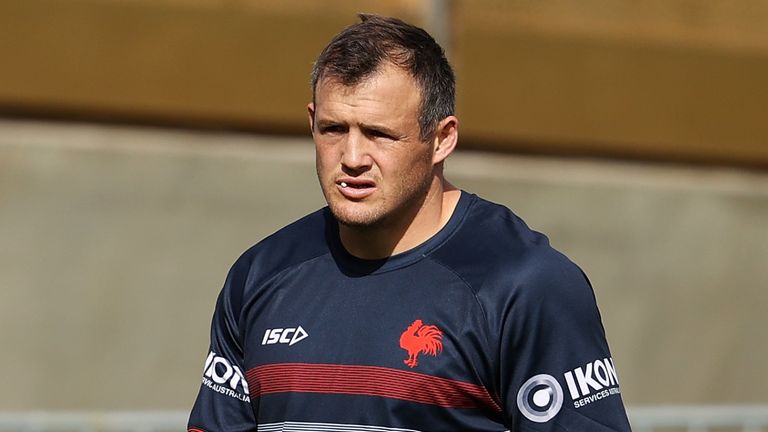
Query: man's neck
[(387, 240)]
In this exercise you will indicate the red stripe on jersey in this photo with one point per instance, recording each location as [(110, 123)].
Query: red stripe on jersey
[(195, 430), (367, 381)]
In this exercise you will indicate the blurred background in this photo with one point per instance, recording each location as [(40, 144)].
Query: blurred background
[(144, 144)]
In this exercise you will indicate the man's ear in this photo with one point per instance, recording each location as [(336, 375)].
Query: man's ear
[(311, 114), (446, 138)]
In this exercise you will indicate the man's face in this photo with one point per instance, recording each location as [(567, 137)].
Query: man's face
[(372, 166)]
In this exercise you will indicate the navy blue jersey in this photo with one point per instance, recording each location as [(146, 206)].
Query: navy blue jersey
[(483, 327)]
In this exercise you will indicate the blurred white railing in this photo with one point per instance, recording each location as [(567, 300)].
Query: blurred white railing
[(746, 418), (743, 418), (78, 421)]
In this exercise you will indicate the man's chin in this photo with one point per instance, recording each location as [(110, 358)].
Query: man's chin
[(355, 219)]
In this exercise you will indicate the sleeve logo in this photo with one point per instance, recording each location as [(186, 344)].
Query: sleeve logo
[(541, 397), (592, 382), (222, 377)]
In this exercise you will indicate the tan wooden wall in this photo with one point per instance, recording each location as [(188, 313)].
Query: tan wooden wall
[(114, 243), (680, 80)]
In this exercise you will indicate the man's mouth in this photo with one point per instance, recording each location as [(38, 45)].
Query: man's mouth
[(355, 183), (355, 189)]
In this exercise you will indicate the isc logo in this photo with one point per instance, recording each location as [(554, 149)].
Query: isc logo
[(288, 336)]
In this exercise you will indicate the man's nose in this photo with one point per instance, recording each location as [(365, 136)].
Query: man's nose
[(356, 154)]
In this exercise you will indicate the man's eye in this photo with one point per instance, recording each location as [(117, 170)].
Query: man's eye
[(380, 134), (333, 129)]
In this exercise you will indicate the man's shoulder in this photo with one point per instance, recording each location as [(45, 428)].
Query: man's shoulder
[(307, 231), (293, 244), (491, 232), (496, 252)]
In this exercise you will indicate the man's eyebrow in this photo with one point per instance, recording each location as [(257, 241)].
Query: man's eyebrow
[(378, 127), (326, 122)]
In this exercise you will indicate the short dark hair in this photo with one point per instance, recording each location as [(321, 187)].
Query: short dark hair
[(360, 49)]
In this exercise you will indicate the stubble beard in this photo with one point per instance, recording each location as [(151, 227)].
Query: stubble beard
[(408, 199)]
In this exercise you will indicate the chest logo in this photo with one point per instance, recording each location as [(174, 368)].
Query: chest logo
[(288, 336), (419, 338)]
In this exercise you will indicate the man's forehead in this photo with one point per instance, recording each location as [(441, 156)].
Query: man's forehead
[(382, 95)]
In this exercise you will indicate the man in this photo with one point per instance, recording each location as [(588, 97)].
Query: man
[(406, 304)]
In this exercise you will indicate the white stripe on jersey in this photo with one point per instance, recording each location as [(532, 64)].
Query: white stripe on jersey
[(325, 427)]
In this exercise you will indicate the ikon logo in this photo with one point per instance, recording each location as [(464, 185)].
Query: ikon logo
[(288, 336), (592, 377), (221, 371)]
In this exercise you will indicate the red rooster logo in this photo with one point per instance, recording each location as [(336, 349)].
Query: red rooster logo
[(421, 339)]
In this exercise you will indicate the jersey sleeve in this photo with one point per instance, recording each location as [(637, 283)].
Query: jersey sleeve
[(223, 402), (557, 373)]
